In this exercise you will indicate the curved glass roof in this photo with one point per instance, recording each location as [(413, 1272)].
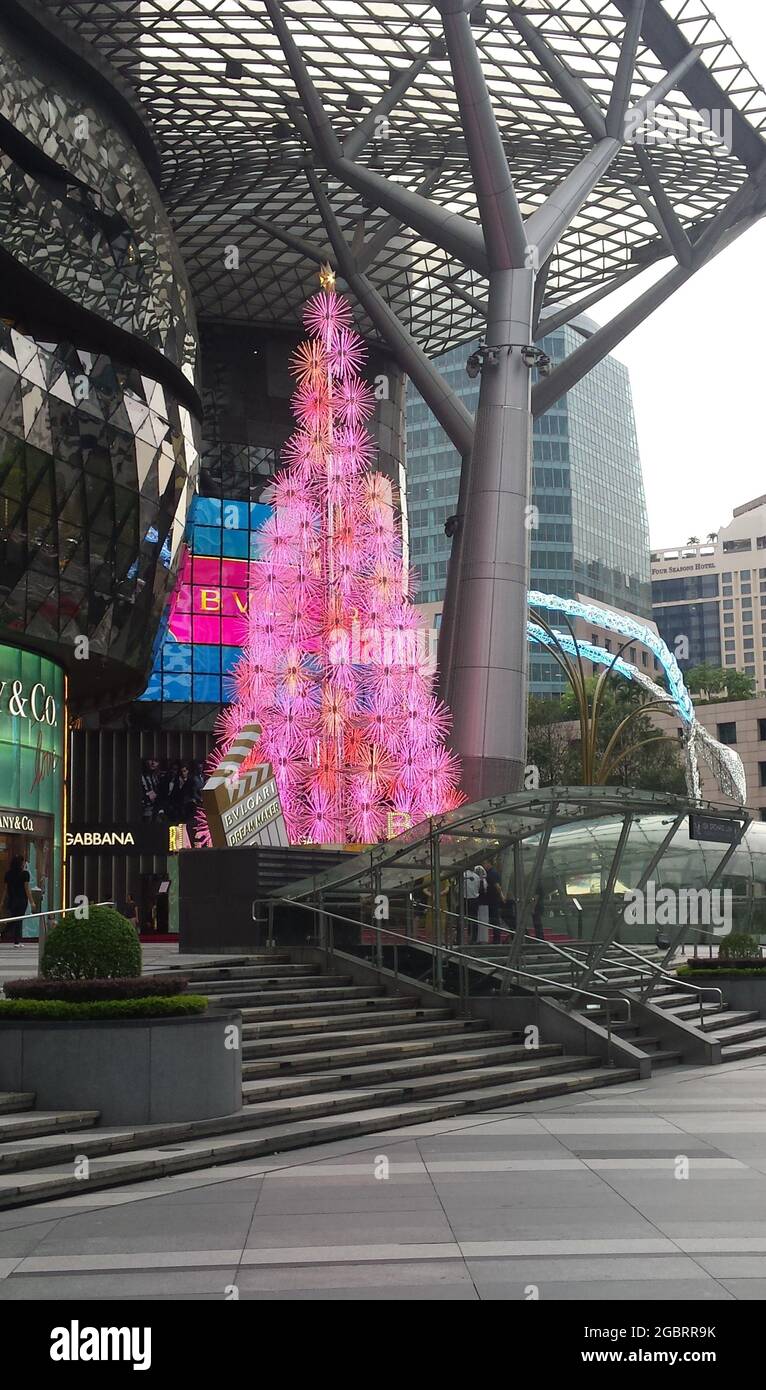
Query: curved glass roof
[(212, 77), (584, 825)]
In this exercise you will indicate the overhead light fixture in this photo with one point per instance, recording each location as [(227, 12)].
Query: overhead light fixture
[(485, 356), (474, 364), (479, 15), (354, 102), (234, 69)]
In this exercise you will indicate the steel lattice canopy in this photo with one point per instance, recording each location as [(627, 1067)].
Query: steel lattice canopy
[(212, 77)]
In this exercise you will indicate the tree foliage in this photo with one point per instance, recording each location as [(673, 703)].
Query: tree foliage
[(641, 756)]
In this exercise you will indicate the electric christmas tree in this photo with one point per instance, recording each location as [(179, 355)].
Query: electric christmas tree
[(335, 665)]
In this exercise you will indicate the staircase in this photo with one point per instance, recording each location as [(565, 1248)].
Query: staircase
[(323, 1059), (742, 1034)]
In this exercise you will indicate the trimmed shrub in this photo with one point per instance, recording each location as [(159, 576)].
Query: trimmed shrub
[(103, 946), (83, 991), (172, 1006), (739, 946), (724, 971)]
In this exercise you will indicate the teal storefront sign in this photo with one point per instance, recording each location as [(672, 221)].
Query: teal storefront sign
[(32, 756)]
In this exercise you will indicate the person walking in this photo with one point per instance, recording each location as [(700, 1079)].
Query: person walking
[(17, 898)]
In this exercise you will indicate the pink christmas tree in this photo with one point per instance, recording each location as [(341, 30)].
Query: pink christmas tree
[(335, 665)]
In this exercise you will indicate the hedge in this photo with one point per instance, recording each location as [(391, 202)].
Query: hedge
[(43, 1010), (103, 945), (727, 972), (717, 963), (85, 991)]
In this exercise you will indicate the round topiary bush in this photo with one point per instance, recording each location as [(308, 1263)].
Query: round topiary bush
[(739, 946), (104, 945)]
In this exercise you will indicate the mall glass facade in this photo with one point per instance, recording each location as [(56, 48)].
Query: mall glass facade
[(32, 757), (592, 535), (205, 626)]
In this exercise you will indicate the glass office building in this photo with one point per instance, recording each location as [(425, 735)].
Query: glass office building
[(592, 533)]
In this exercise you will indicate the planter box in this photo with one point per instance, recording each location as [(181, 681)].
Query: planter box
[(138, 1071), (739, 991)]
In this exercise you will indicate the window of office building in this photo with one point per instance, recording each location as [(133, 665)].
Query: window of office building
[(737, 547), (727, 733), (762, 730)]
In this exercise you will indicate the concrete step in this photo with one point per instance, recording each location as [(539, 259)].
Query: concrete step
[(369, 1030), (268, 983), (439, 1066), (664, 1057), (290, 1017), (249, 999), (191, 1148), (13, 1101), (261, 1096), (691, 1012), (33, 1123), (668, 998), (348, 1055), (729, 1018), (740, 1051), (742, 1032), (240, 973), (267, 959)]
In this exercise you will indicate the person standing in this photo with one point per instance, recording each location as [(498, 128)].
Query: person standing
[(131, 912), (471, 885), (150, 784), (482, 907), (495, 902), (17, 899)]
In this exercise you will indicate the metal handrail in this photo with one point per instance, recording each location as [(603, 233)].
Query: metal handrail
[(50, 912), (431, 948), (528, 936), (656, 971)]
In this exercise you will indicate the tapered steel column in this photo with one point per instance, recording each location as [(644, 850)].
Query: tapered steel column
[(486, 683)]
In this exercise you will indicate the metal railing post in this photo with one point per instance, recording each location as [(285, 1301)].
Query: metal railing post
[(436, 881)]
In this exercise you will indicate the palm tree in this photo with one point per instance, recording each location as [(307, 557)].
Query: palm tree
[(712, 537), (693, 540)]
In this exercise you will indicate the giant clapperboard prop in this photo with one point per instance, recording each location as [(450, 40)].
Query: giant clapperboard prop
[(243, 809)]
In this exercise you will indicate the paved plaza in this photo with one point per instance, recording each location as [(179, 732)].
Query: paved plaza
[(571, 1198)]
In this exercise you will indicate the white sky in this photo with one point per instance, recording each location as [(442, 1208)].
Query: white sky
[(697, 365)]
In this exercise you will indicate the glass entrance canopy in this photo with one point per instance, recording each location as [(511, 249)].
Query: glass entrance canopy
[(575, 846)]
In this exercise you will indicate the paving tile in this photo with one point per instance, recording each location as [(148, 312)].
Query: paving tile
[(649, 1269), (149, 1226), (23, 1239), (370, 1279), (148, 1283), (746, 1289), (615, 1290), (348, 1228), (615, 1221)]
